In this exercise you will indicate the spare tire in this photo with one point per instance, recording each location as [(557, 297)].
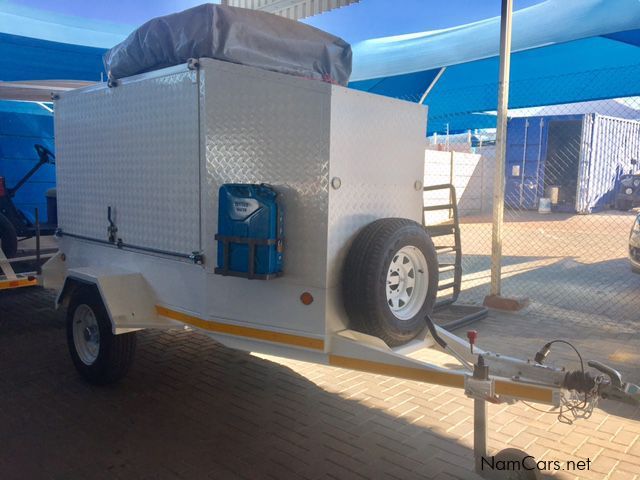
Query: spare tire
[(390, 280), (8, 237)]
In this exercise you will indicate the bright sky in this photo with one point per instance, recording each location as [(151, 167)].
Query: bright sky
[(395, 17), (131, 12), (383, 17)]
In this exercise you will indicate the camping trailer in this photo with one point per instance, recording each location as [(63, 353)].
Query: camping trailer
[(140, 168), (575, 160), (155, 152), (277, 214)]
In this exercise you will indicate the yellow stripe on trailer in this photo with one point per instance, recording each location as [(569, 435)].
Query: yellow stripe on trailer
[(505, 388), (523, 391), (445, 379), (19, 283), (239, 331)]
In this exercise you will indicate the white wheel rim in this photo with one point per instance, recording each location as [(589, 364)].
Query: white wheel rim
[(86, 334), (407, 282)]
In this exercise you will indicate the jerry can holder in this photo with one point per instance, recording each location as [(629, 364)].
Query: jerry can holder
[(253, 244)]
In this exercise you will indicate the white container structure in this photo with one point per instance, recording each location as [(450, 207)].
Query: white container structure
[(139, 168), (157, 148)]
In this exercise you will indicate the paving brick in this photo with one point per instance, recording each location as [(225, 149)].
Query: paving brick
[(625, 438), (629, 468), (191, 408), (611, 425), (522, 440), (513, 429), (604, 464), (610, 446), (589, 450)]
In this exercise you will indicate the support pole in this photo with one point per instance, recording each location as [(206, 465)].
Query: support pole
[(479, 433), (38, 266), (501, 136), (431, 85), (481, 374)]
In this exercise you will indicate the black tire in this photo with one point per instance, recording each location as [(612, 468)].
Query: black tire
[(514, 456), (364, 279), (624, 205), (115, 352), (8, 237)]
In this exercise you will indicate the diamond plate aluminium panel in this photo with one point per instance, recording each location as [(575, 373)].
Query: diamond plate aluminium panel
[(265, 127), (377, 151), (135, 148), (254, 126), (296, 135)]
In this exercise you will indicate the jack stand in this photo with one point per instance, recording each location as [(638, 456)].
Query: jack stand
[(482, 389), (479, 433), (480, 377)]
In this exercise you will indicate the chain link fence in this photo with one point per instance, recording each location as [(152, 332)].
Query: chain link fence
[(572, 182)]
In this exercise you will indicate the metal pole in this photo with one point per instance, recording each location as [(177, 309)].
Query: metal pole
[(479, 433), (501, 135), (38, 266), (431, 85), (538, 195), (524, 161)]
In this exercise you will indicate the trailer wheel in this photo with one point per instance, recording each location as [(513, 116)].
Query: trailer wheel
[(514, 456), (8, 237), (390, 280), (99, 356)]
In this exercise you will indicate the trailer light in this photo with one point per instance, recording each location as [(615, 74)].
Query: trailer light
[(629, 191), (306, 298), (3, 190)]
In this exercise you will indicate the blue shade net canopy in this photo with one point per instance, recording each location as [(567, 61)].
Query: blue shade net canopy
[(31, 61), (564, 51)]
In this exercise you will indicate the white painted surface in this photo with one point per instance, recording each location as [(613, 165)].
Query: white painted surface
[(251, 126), (134, 148), (470, 173)]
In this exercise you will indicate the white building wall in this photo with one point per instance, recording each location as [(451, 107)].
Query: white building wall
[(293, 9), (470, 173)]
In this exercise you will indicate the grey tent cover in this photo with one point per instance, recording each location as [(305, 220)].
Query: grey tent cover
[(235, 35)]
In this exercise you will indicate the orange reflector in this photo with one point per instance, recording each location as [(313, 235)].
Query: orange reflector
[(306, 298)]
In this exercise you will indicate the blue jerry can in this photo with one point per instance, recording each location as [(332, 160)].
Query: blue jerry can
[(250, 231)]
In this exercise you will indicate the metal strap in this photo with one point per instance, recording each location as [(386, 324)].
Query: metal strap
[(6, 268)]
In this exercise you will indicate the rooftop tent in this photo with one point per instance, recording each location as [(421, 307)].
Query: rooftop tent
[(597, 35)]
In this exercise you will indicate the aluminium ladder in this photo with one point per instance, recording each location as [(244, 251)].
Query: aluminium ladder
[(446, 312)]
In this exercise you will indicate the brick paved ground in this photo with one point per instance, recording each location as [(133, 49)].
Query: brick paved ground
[(191, 408)]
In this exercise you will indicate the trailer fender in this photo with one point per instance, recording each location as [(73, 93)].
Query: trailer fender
[(127, 297)]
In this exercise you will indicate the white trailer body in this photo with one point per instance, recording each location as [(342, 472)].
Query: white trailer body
[(157, 148)]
